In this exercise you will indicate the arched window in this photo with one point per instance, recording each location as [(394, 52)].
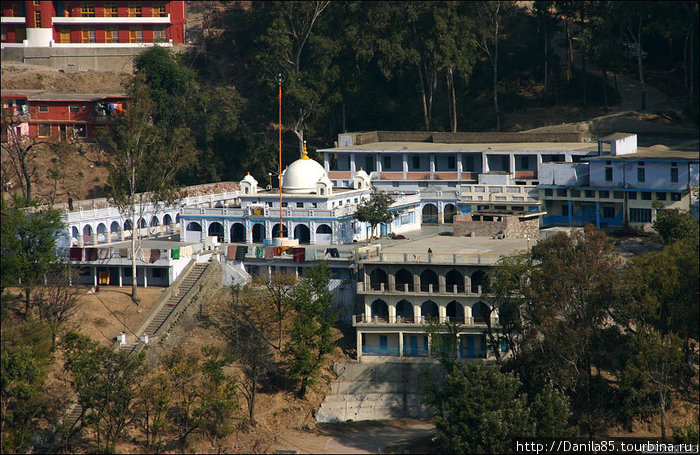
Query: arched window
[(258, 233), (378, 277), (114, 227), (430, 214), (480, 312), (478, 281), (154, 221), (302, 234), (428, 278), (238, 232), (87, 230), (454, 281), (449, 212), (276, 230), (216, 229), (404, 280), (404, 310), (455, 312), (380, 310), (127, 225), (194, 226), (324, 229), (142, 223), (429, 309), (167, 220)]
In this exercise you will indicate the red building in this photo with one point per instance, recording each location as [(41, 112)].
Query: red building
[(62, 115), (92, 24)]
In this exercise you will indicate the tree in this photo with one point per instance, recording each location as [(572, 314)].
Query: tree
[(57, 300), (28, 246), (674, 224), (375, 210), (655, 361), (144, 163), (563, 319), (478, 409), (154, 398), (203, 395), (20, 149), (506, 290), (311, 336), (289, 44), (25, 358), (488, 37), (244, 321), (278, 288), (106, 383)]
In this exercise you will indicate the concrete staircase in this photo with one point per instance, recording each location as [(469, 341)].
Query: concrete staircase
[(175, 298), (373, 391)]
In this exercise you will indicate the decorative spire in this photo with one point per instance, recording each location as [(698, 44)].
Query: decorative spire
[(305, 154)]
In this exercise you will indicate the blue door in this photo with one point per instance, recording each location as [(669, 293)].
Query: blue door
[(382, 343), (414, 345), (383, 229), (470, 346)]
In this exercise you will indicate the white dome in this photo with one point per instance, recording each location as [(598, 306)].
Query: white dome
[(302, 175), (361, 173), (250, 179)]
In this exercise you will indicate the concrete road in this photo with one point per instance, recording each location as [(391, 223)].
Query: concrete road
[(373, 437)]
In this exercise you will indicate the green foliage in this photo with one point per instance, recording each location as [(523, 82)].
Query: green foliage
[(310, 336), (375, 210), (106, 383), (478, 409), (506, 290), (673, 225), (28, 246), (203, 395), (24, 359), (564, 319)]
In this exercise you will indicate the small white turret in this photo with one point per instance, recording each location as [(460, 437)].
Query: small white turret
[(249, 185)]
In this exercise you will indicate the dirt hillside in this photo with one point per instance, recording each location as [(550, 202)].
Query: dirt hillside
[(22, 76)]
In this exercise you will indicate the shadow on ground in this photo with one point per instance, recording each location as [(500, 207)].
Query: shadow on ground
[(373, 436)]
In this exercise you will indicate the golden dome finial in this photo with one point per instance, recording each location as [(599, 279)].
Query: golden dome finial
[(305, 154)]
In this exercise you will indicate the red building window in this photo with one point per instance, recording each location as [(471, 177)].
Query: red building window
[(87, 9), (159, 35), (37, 19), (134, 10), (159, 10), (111, 9), (111, 35)]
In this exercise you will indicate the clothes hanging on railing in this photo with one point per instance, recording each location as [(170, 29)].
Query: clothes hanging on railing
[(155, 255), (231, 252), (241, 252), (175, 253), (76, 254)]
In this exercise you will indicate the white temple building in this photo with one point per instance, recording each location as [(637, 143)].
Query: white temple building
[(313, 210)]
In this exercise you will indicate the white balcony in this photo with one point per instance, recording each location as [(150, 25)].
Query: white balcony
[(110, 20), (12, 20)]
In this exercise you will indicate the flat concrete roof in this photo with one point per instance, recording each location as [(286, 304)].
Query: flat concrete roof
[(657, 152), (43, 95), (429, 147), (446, 244)]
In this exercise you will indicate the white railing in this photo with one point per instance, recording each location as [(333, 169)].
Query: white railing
[(434, 258), (365, 319)]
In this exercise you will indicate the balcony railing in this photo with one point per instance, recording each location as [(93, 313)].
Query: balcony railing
[(434, 258), (363, 319), (379, 288)]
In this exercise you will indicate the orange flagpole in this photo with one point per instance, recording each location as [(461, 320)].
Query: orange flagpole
[(279, 97)]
